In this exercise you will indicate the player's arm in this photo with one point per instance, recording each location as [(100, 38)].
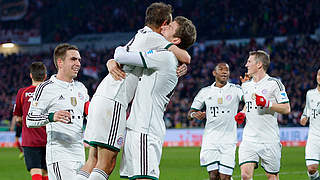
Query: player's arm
[(196, 106), (181, 54), (13, 123), (194, 113), (306, 113)]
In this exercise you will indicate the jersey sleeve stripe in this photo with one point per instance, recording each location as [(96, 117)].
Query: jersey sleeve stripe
[(40, 89), (278, 82), (168, 46), (195, 109), (143, 60)]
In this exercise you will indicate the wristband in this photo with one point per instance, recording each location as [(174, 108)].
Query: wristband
[(191, 114)]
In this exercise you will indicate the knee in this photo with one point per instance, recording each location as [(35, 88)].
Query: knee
[(245, 175), (312, 169), (214, 175)]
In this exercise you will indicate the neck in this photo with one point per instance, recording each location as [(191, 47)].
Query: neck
[(259, 75), (36, 83), (61, 77), (157, 30), (220, 84)]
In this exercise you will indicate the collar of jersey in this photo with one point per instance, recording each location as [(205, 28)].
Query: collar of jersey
[(262, 80), (61, 83), (213, 85), (148, 29)]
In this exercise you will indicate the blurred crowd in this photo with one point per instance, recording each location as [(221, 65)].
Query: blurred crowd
[(61, 20), (295, 61)]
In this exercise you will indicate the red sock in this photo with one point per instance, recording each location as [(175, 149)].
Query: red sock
[(45, 178), (19, 146), (36, 177)]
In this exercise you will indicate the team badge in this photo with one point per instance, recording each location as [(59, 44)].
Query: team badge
[(120, 141), (264, 91), (220, 101), (229, 97), (80, 96), (253, 96), (73, 101)]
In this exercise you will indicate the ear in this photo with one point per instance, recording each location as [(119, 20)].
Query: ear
[(176, 41), (59, 63), (30, 75), (214, 73), (259, 64), (45, 77)]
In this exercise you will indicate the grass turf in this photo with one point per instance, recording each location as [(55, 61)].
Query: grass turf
[(176, 164)]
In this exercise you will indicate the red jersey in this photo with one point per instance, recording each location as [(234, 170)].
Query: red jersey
[(31, 137)]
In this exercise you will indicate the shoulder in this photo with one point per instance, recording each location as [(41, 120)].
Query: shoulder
[(231, 85), (312, 91), (276, 81), (205, 89), (79, 84), (46, 85), (247, 83)]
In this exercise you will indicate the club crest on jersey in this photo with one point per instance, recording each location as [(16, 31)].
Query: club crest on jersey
[(229, 97), (73, 101), (80, 96), (264, 91), (220, 101)]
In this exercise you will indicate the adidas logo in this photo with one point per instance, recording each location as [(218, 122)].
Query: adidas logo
[(153, 172), (61, 98)]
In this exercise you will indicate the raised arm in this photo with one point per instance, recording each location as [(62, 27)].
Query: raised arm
[(182, 55)]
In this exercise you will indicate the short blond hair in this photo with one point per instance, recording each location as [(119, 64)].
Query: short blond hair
[(261, 56)]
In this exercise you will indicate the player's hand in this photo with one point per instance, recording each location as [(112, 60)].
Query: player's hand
[(115, 70), (198, 114), (303, 121), (182, 70), (62, 116), (240, 117), (262, 101), (245, 78)]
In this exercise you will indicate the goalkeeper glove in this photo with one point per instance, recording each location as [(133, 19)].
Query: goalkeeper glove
[(240, 117), (261, 101)]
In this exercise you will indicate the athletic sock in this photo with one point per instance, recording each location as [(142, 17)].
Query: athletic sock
[(19, 146), (82, 175), (314, 176), (45, 178), (98, 174), (36, 177)]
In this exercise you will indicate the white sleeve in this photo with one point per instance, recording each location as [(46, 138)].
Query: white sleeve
[(37, 115), (239, 93), (157, 41), (306, 110), (280, 93), (198, 101), (150, 59)]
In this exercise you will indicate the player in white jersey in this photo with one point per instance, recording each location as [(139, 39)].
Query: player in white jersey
[(221, 100), (59, 103), (311, 112), (146, 128), (264, 98), (112, 96), (219, 140)]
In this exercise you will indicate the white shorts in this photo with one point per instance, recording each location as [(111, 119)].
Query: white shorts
[(141, 156), (106, 123), (268, 153), (64, 170), (312, 152), (219, 156)]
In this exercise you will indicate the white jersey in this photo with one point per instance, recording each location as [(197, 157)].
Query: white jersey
[(123, 91), (221, 107), (312, 111), (261, 124), (64, 141), (153, 93)]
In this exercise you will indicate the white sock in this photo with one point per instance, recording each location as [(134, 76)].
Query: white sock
[(82, 175), (314, 176), (98, 174)]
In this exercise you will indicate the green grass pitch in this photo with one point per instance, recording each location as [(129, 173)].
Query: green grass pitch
[(176, 164)]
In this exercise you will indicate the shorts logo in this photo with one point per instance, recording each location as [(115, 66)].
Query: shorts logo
[(120, 141), (229, 97), (73, 101), (203, 161)]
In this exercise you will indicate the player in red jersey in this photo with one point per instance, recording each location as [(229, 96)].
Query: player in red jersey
[(33, 139)]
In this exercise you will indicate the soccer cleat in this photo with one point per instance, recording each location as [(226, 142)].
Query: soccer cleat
[(21, 156)]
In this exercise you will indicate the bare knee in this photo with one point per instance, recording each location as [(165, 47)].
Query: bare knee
[(312, 169), (224, 177), (214, 175), (272, 176)]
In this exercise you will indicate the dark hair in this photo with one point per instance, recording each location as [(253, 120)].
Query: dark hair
[(186, 32), (157, 13), (261, 56), (38, 71), (61, 50)]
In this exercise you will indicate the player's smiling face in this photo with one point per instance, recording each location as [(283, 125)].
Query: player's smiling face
[(222, 72), (169, 31), (252, 65), (71, 64)]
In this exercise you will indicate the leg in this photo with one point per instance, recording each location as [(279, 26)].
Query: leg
[(214, 175), (106, 159), (313, 171), (247, 171), (225, 177), (91, 162), (272, 176)]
